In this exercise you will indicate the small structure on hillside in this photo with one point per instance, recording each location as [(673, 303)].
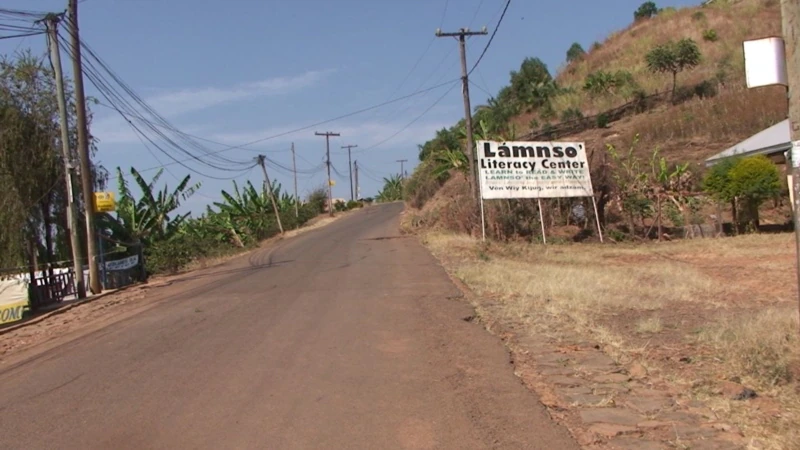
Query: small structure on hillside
[(774, 142)]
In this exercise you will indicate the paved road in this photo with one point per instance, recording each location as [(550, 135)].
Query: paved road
[(346, 337)]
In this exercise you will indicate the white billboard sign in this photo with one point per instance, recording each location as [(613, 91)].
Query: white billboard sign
[(765, 62), (122, 264), (533, 170)]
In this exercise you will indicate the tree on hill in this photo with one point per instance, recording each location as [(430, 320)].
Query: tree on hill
[(673, 57), (532, 84), (575, 52), (608, 83), (646, 10)]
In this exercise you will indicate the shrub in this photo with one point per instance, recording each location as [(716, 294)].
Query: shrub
[(706, 89), (710, 35), (753, 179), (571, 114), (645, 11), (575, 52), (602, 120)]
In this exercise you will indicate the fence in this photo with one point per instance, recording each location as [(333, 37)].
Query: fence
[(574, 126), (56, 282)]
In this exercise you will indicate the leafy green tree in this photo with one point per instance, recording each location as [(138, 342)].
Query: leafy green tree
[(717, 181), (532, 85), (601, 82), (755, 179), (673, 58), (33, 204), (752, 180), (445, 139), (645, 11), (575, 52)]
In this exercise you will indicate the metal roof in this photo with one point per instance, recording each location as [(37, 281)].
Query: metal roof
[(774, 139)]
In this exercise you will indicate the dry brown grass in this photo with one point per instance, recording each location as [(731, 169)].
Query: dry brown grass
[(729, 304), (698, 128), (733, 22)]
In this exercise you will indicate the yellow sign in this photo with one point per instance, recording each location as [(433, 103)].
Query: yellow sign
[(332, 183), (104, 202), (12, 312)]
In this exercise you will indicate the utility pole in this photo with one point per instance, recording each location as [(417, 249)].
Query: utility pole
[(402, 173), (328, 135), (87, 184), (296, 198), (462, 45), (51, 21), (790, 14), (350, 169), (261, 159), (355, 167)]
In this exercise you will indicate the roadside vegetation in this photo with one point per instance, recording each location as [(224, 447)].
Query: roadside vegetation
[(33, 223), (171, 241), (652, 102)]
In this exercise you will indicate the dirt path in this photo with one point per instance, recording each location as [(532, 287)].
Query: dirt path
[(350, 336)]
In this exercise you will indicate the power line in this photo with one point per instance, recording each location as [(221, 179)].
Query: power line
[(412, 122), (181, 136), (481, 88), (490, 38), (307, 127)]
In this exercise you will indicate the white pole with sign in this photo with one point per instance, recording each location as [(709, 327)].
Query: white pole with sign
[(534, 170)]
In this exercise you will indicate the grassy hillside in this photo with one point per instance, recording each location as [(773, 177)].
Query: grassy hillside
[(611, 92), (697, 127)]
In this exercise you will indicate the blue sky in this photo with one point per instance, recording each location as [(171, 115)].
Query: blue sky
[(243, 70)]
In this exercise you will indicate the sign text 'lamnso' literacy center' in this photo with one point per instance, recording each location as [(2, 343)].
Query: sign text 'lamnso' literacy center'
[(533, 169)]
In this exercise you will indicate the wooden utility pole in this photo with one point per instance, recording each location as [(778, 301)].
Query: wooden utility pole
[(261, 159), (296, 198), (790, 13), (87, 184), (51, 21), (462, 45), (402, 173), (350, 169), (328, 135), (355, 169)]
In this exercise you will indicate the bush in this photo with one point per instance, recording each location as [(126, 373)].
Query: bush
[(602, 120), (645, 11), (752, 180), (170, 256), (575, 52), (710, 35), (706, 89), (571, 114)]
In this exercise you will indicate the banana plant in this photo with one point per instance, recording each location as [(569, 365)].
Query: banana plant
[(148, 218), (392, 189)]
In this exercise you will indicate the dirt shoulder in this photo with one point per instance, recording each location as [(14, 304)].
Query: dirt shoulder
[(81, 318), (677, 345)]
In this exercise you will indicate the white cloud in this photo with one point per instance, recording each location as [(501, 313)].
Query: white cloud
[(114, 130), (187, 100), (364, 134)]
